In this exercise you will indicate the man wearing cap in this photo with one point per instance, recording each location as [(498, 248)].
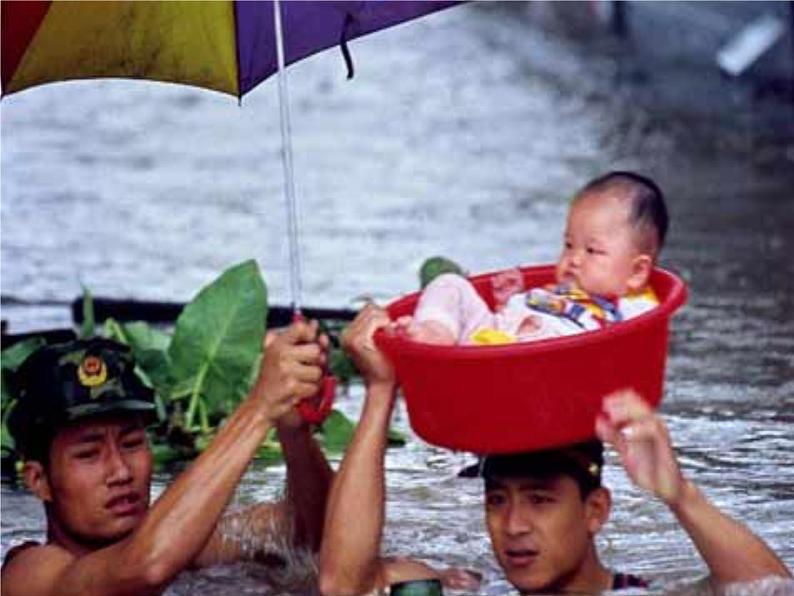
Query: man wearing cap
[(543, 509), (80, 425)]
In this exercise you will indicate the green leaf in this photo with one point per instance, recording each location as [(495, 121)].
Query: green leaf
[(89, 321), (165, 453), (270, 451), (150, 348), (395, 438), (337, 432), (435, 266), (10, 360), (7, 443), (13, 357), (218, 339), (342, 366)]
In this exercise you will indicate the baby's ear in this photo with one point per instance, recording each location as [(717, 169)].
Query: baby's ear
[(640, 272)]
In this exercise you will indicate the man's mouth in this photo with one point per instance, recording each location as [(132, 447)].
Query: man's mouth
[(519, 557), (124, 504)]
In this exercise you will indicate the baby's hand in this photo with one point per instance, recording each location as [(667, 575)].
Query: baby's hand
[(530, 325), (505, 285), (401, 326)]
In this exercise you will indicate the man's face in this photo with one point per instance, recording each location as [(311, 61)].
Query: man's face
[(600, 247), (541, 530), (99, 475)]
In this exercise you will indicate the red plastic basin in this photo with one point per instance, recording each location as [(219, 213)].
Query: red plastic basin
[(500, 399)]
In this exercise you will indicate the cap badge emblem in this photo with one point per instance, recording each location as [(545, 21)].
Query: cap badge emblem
[(92, 372)]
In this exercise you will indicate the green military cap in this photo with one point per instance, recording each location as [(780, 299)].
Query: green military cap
[(583, 461), (63, 383)]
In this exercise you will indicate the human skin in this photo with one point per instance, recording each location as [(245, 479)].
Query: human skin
[(640, 436), (100, 471), (600, 251), (542, 531), (350, 562), (113, 548), (601, 255)]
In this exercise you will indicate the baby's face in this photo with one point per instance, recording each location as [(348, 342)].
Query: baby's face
[(600, 247)]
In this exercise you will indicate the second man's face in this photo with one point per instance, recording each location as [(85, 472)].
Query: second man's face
[(540, 530)]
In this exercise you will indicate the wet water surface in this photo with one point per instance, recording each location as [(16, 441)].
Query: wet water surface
[(463, 134)]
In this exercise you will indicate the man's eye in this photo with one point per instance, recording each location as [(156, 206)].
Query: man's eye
[(539, 499), (494, 500), (89, 454), (133, 443)]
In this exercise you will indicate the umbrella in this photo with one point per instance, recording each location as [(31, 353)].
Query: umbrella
[(226, 46)]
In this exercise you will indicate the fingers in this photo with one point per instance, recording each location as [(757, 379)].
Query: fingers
[(306, 354), (359, 333), (300, 332), (642, 440), (461, 579), (625, 406), (270, 337)]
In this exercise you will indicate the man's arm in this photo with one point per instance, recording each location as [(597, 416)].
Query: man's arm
[(731, 551), (308, 482), (350, 553), (182, 520), (271, 528)]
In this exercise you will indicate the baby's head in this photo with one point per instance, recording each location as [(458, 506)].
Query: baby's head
[(615, 230)]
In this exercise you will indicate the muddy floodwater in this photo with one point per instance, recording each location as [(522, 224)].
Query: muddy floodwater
[(462, 134)]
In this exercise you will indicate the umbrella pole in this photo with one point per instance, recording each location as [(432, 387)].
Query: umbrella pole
[(286, 159)]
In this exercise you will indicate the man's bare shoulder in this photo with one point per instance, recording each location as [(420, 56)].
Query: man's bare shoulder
[(33, 569)]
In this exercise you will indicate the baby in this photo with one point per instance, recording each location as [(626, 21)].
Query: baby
[(615, 230)]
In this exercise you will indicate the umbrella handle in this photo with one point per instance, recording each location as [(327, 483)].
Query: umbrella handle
[(315, 409)]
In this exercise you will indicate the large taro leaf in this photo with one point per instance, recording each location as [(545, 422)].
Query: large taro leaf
[(149, 345), (217, 341)]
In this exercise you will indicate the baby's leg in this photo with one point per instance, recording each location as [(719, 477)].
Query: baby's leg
[(449, 311)]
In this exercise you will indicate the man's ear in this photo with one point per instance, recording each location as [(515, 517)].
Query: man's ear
[(37, 481), (597, 507), (641, 269)]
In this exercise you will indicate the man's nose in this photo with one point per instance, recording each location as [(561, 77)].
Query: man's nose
[(517, 522), (119, 470)]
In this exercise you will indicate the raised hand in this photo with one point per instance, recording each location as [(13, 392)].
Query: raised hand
[(641, 439), (357, 340), (291, 368)]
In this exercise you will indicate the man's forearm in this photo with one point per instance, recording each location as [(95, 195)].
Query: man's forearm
[(731, 551), (174, 530), (354, 520), (184, 517), (308, 482)]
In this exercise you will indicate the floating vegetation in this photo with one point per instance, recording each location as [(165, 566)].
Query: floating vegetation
[(200, 371)]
